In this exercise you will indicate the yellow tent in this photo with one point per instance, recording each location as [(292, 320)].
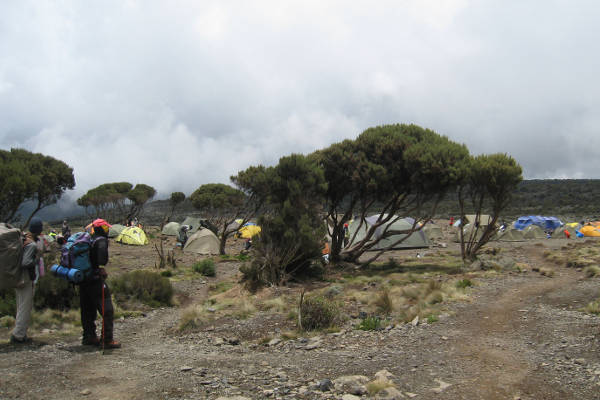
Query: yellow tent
[(589, 230), (572, 224), (132, 235), (248, 231)]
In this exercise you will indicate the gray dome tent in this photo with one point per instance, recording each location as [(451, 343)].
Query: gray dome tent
[(171, 229), (115, 230), (204, 241), (417, 239)]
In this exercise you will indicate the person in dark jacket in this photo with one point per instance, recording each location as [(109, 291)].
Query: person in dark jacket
[(66, 230), (32, 251), (94, 294)]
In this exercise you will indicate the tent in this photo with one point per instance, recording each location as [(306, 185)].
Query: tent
[(417, 239), (559, 233), (115, 230), (171, 229), (590, 231), (511, 235), (433, 231), (550, 223), (204, 241), (575, 225), (249, 230), (534, 232), (484, 219), (467, 231), (132, 235)]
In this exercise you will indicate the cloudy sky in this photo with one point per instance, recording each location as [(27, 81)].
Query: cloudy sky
[(179, 93)]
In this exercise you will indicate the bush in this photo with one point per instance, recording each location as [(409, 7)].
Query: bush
[(318, 313), (384, 302), (464, 283), (205, 267), (8, 303), (55, 293), (372, 323), (147, 287), (592, 271), (166, 274)]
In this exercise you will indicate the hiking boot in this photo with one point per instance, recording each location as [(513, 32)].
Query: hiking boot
[(113, 344), (15, 340), (90, 341)]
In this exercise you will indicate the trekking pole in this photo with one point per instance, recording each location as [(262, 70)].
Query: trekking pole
[(103, 333)]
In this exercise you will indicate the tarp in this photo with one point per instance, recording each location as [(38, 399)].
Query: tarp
[(132, 235), (171, 229), (203, 241), (249, 230), (115, 230), (546, 223), (533, 232), (415, 240), (511, 235), (590, 231)]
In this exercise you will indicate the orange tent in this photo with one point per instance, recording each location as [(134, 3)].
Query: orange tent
[(590, 230)]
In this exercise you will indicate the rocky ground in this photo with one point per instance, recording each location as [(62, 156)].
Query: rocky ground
[(521, 336)]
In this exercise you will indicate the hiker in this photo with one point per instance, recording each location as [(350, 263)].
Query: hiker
[(248, 244), (66, 230), (182, 234), (451, 221), (94, 294), (325, 252), (567, 234), (346, 235), (32, 251)]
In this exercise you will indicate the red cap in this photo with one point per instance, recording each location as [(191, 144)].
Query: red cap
[(100, 222)]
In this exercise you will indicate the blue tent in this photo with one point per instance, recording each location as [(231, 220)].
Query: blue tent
[(546, 223)]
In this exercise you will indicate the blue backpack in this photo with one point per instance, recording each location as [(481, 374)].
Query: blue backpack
[(75, 255)]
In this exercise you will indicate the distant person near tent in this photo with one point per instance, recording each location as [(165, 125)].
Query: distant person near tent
[(346, 235), (182, 235), (567, 234), (451, 221), (94, 294), (32, 253), (66, 230)]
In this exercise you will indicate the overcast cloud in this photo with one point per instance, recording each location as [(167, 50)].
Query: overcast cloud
[(177, 94)]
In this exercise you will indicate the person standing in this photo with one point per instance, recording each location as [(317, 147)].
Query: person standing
[(94, 294), (66, 230), (32, 251)]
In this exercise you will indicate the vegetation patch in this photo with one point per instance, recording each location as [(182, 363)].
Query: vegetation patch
[(591, 271), (147, 287), (464, 283), (318, 312), (205, 267), (371, 323), (377, 386)]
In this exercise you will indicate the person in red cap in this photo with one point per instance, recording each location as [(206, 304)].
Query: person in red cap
[(94, 294)]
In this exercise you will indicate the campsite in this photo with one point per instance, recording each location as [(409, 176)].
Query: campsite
[(514, 327)]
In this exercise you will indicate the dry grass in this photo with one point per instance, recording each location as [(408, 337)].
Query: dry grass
[(547, 272), (591, 271), (383, 302), (377, 386), (593, 307)]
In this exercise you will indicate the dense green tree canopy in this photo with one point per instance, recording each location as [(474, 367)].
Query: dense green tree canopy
[(26, 176), (118, 200)]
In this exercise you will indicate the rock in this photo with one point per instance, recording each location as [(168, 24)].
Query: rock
[(219, 341), (325, 385), (85, 392), (268, 392), (411, 395), (580, 361), (384, 376), (350, 397), (312, 345), (362, 315), (233, 341), (415, 321), (389, 393), (211, 309), (274, 342), (185, 368), (353, 384), (443, 386), (233, 398)]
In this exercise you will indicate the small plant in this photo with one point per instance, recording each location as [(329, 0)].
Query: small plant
[(317, 313), (205, 267), (593, 307), (431, 318), (384, 302), (55, 293), (591, 271), (7, 321), (377, 386), (464, 283), (371, 323), (166, 273)]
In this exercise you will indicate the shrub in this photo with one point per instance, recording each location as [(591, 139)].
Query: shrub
[(384, 302), (145, 286), (591, 271), (318, 313), (55, 293), (8, 303), (372, 323), (7, 321), (431, 318), (464, 283), (205, 267), (593, 307), (166, 274), (377, 386)]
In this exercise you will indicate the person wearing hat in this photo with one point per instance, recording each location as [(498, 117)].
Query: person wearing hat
[(94, 294), (33, 247)]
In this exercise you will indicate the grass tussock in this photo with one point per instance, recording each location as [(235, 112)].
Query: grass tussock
[(384, 302), (592, 271), (55, 319), (205, 267), (147, 287), (318, 312), (377, 386), (547, 272)]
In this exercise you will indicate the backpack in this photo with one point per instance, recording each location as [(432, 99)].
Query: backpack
[(11, 256), (75, 254)]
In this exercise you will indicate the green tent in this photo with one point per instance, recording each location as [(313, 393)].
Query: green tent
[(194, 222), (202, 242), (171, 229), (415, 240), (115, 230), (534, 232), (467, 232), (433, 231), (511, 235)]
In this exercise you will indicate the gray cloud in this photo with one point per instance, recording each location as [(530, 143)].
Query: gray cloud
[(180, 96)]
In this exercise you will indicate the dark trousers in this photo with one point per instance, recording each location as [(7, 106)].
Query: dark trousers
[(90, 300)]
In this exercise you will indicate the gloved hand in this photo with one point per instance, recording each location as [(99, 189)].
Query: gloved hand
[(103, 273)]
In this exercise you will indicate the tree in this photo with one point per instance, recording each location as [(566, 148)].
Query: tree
[(117, 200), (176, 199), (393, 169), (26, 176), (291, 233), (489, 181)]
